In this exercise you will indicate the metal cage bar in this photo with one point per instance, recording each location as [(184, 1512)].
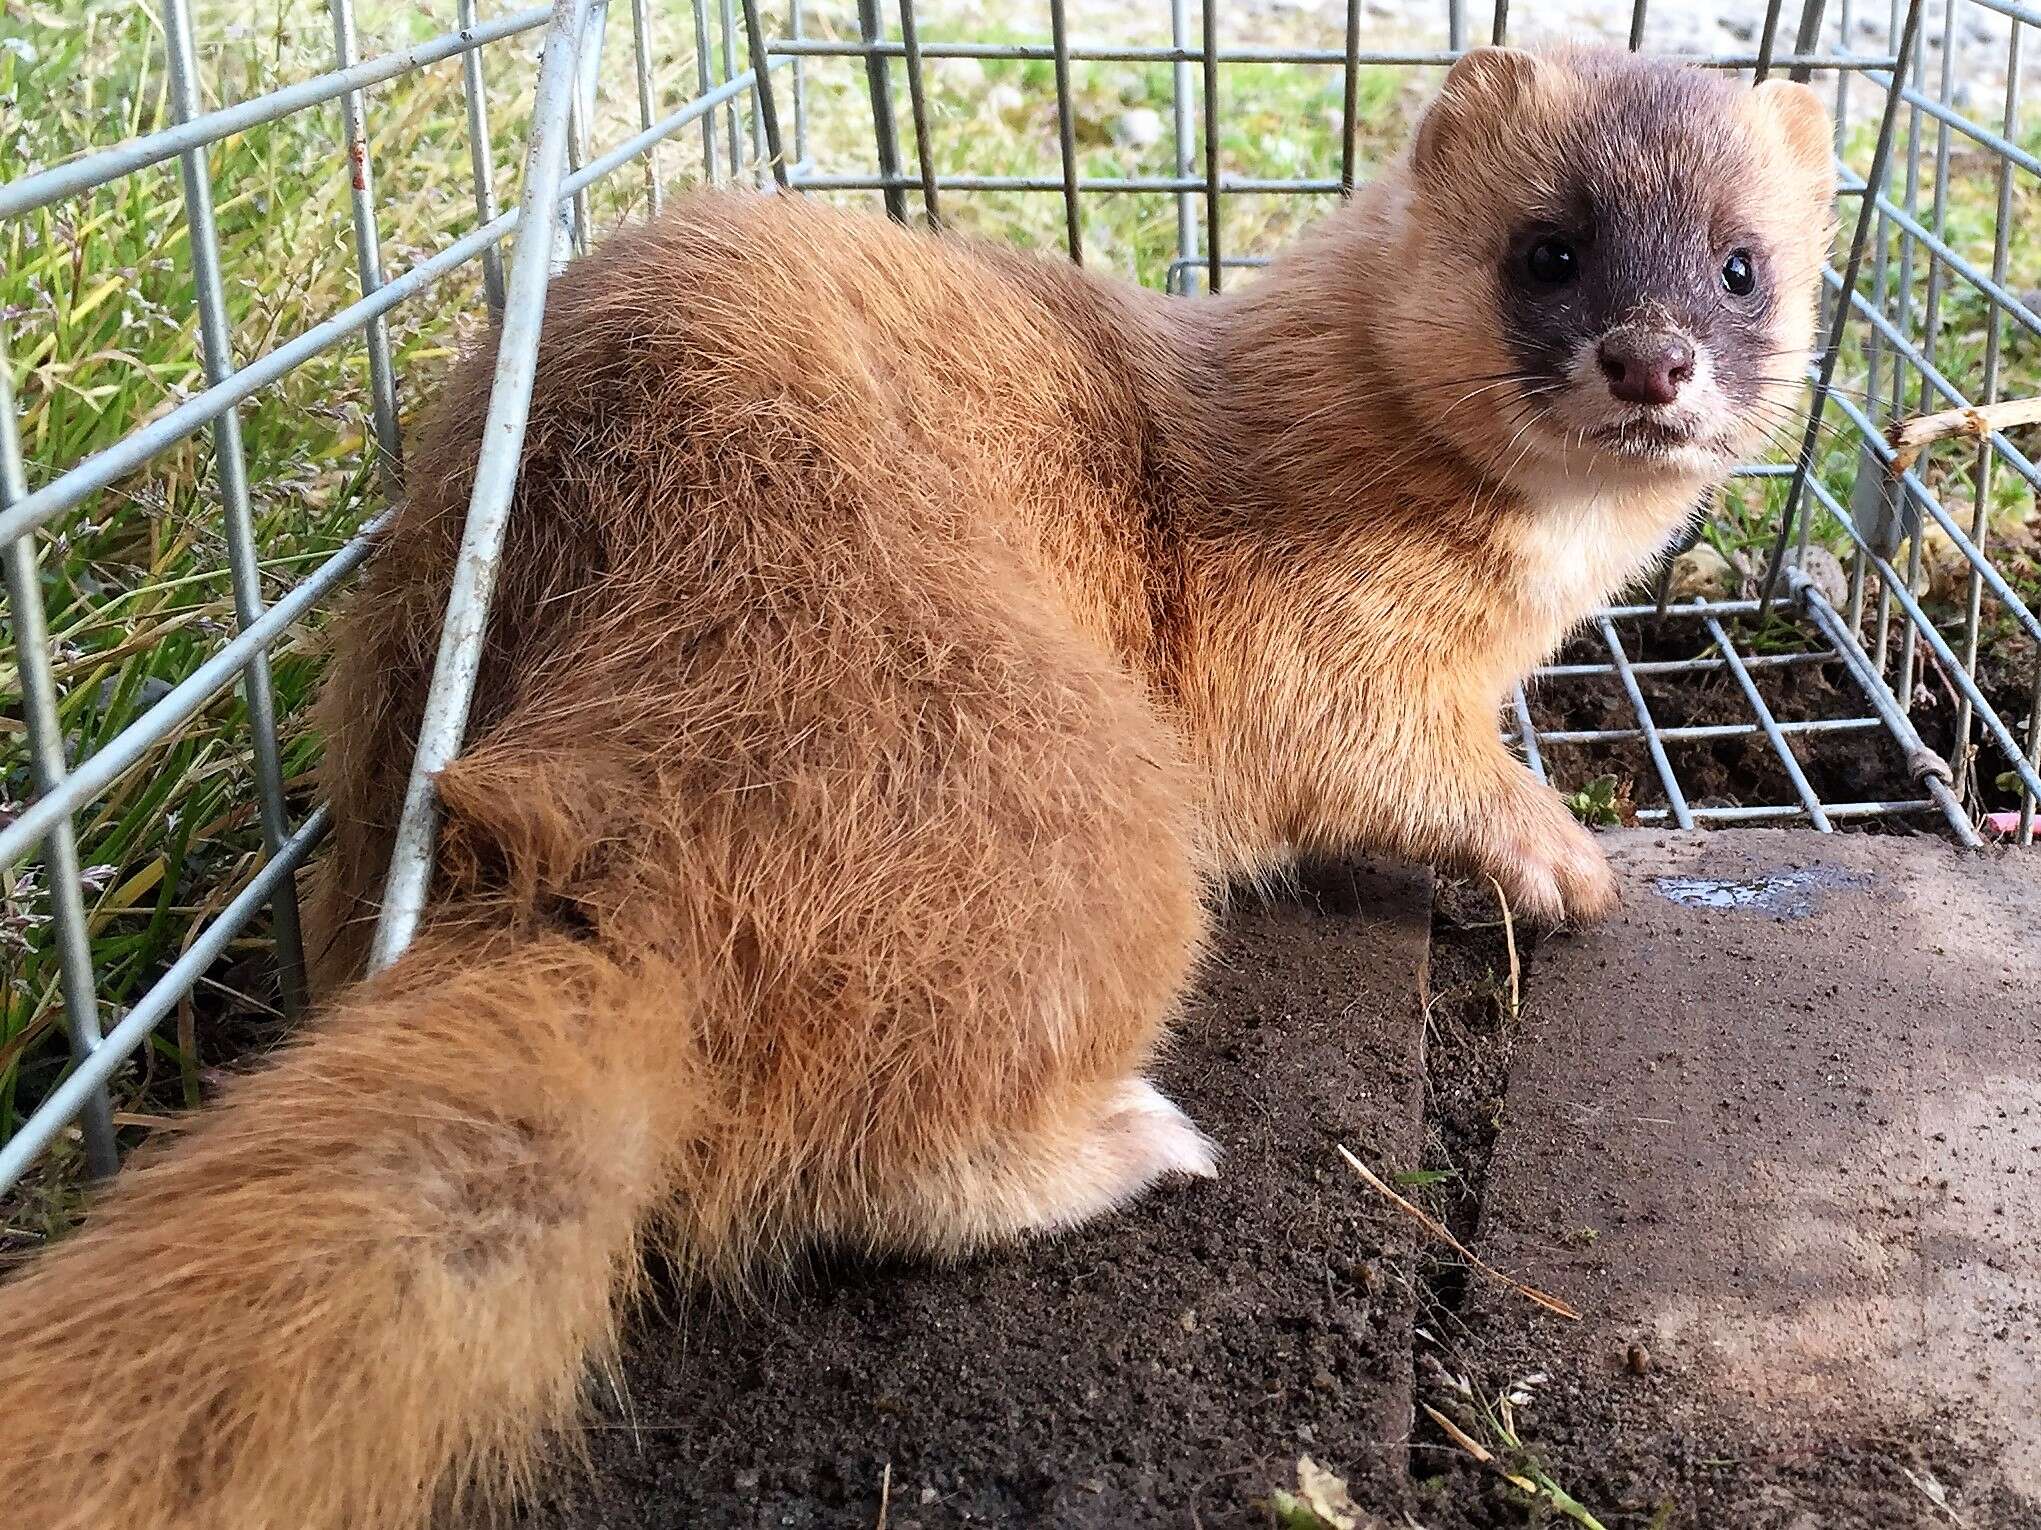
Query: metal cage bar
[(1807, 39), (1184, 53), (760, 147), (766, 109), (1066, 132), (1706, 732), (641, 68), (1994, 725), (727, 19), (467, 618), (89, 1078), (1185, 136), (1768, 41), (1215, 265), (797, 19), (879, 85), (230, 465), (58, 839), (1349, 96), (1087, 185), (1831, 352), (368, 255), (184, 700), (82, 174), (573, 212), (2028, 796), (1985, 457), (703, 84), (1775, 732), (1653, 740), (481, 162), (917, 100)]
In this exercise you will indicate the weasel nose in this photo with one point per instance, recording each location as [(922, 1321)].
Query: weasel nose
[(1646, 366)]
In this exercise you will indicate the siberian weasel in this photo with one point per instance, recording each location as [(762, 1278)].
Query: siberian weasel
[(898, 641)]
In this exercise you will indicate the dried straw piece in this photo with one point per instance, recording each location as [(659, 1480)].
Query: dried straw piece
[(1438, 1230)]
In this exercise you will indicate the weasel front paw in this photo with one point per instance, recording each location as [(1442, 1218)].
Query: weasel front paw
[(1549, 866)]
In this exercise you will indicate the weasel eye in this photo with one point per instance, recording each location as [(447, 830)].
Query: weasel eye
[(1738, 274), (1551, 262)]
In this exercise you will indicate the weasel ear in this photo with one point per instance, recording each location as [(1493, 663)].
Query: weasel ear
[(1794, 115), (1482, 91)]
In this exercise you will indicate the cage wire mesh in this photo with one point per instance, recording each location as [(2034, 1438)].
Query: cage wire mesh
[(1859, 650)]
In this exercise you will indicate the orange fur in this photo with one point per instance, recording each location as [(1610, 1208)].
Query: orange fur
[(897, 642)]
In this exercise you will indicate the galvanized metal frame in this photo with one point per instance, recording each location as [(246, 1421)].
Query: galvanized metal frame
[(230, 464), (445, 718), (1871, 297)]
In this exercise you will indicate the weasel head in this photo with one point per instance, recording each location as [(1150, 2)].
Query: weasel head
[(1612, 266)]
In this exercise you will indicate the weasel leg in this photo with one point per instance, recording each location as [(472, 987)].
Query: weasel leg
[(1102, 1153), (1468, 805), (1139, 1138), (1150, 1130), (1547, 862)]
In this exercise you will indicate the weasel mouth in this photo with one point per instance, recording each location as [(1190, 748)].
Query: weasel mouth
[(1643, 438)]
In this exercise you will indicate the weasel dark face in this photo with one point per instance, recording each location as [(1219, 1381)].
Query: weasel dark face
[(1635, 296), (1638, 244)]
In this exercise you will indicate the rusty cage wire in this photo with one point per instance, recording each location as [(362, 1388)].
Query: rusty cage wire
[(1898, 276)]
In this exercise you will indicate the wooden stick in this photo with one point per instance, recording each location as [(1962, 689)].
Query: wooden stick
[(1479, 1451), (1908, 438)]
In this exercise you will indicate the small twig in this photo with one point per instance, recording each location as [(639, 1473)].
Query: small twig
[(1478, 1451), (1910, 437), (1509, 935), (885, 1494), (1440, 1231), (1541, 1486)]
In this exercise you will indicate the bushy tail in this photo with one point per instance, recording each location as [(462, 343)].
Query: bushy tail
[(358, 1290)]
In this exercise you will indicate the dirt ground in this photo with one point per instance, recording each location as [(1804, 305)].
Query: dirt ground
[(1784, 1180)]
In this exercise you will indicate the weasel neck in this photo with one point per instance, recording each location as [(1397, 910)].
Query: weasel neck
[(1352, 594), (1326, 454)]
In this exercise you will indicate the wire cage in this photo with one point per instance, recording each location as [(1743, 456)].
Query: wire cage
[(1860, 649)]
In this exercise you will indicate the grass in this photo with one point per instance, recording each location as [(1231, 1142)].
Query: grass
[(96, 300), (1491, 1438)]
